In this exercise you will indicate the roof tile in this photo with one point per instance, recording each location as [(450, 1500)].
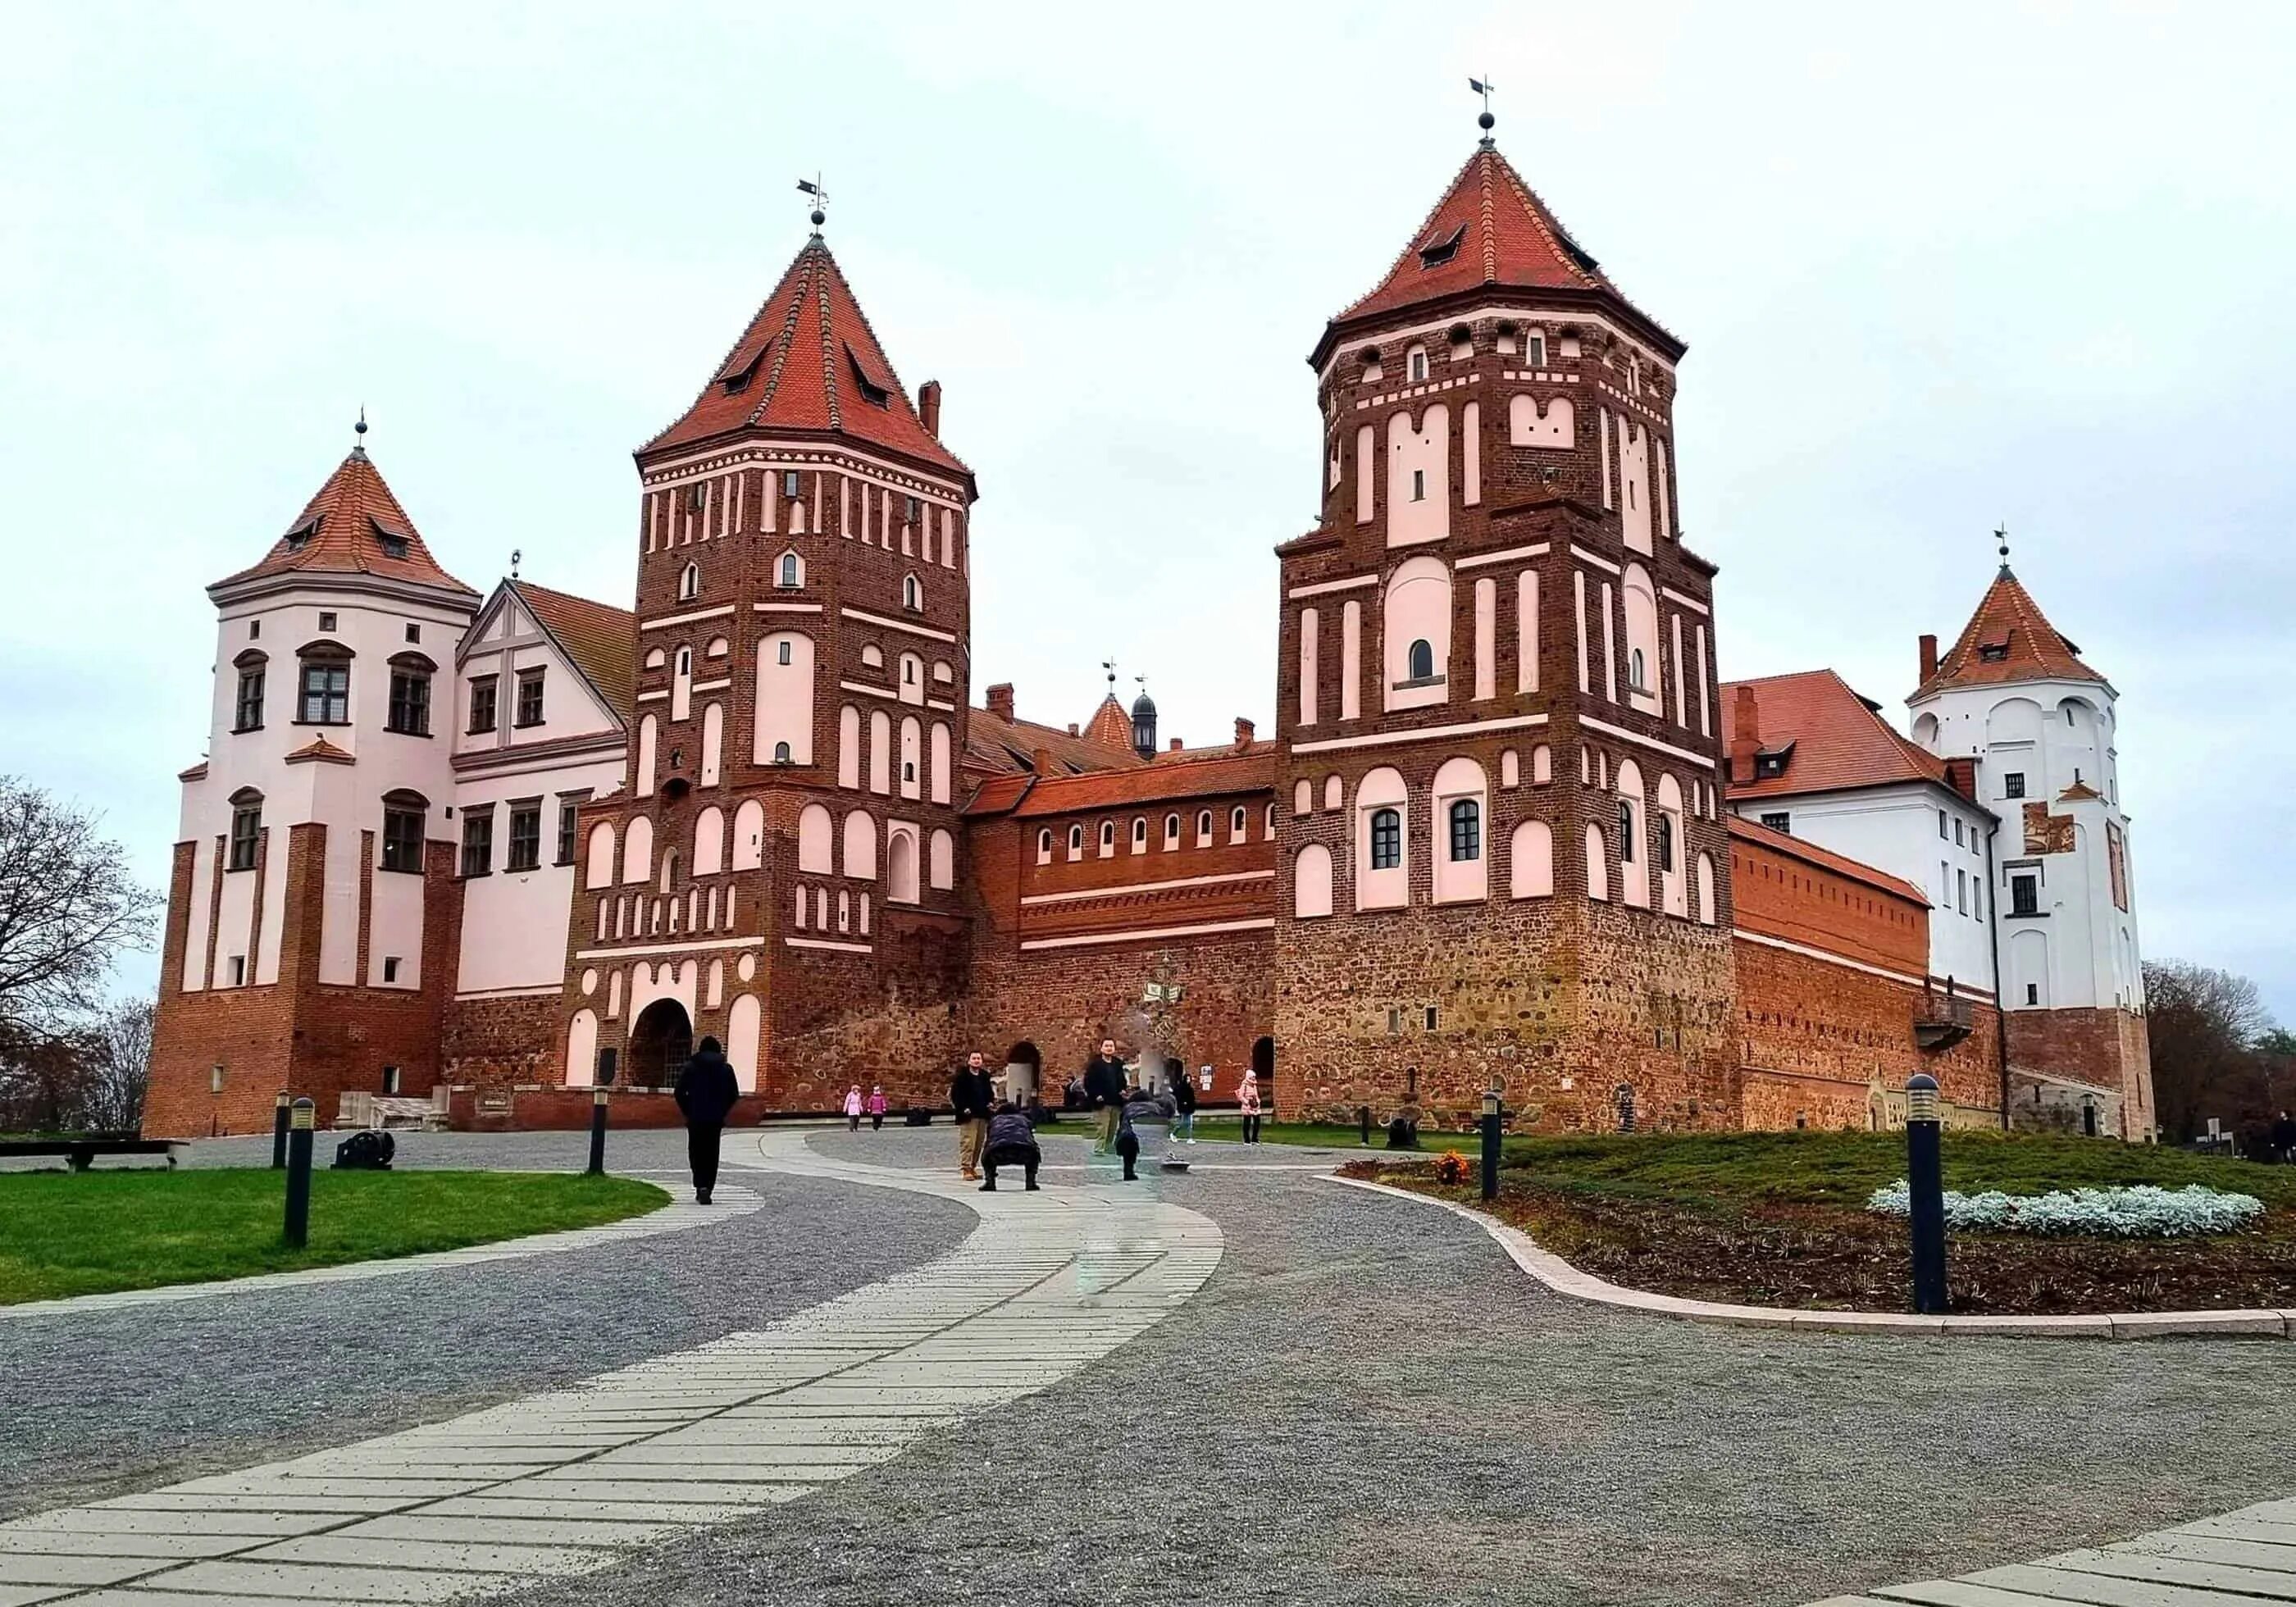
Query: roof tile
[(602, 640), (352, 525), (1837, 740), (2007, 639)]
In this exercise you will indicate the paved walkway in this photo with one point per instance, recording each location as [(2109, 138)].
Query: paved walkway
[(2244, 1559), (565, 1482)]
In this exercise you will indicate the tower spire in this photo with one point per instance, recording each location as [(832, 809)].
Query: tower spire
[(1483, 87), (2001, 534), (820, 193), (359, 433)]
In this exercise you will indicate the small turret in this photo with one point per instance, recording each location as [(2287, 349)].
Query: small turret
[(1144, 725)]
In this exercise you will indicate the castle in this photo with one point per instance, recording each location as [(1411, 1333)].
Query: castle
[(1510, 828)]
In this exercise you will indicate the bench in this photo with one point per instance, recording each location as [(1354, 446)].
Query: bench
[(81, 1152)]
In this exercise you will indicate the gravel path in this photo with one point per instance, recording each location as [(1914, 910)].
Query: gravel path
[(214, 1385), (1369, 1403)]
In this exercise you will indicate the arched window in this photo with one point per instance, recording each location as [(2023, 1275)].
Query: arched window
[(689, 583), (1203, 828), (1076, 842), (1386, 839), (901, 867), (1044, 846), (1171, 831), (784, 716), (1532, 856), (1673, 885), (1422, 660), (1335, 792), (708, 842), (600, 870), (1107, 838), (1707, 914), (1598, 868), (1625, 833), (1639, 601), (816, 844), (860, 845), (913, 594), (1238, 829), (1466, 829), (1303, 797), (940, 860), (781, 753), (637, 850), (792, 571), (1415, 635), (1311, 882), (750, 836), (1140, 833), (1637, 671)]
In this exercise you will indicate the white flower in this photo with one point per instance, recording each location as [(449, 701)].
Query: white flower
[(2139, 1212)]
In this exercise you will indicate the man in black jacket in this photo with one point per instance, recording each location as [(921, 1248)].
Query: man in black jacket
[(971, 1095), (1103, 1091), (705, 1092)]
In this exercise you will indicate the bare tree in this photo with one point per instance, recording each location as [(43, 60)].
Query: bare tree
[(117, 1067), (67, 907), (2205, 1027)]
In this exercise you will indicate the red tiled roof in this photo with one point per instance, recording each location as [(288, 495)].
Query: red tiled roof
[(2007, 639), (343, 528), (1490, 228), (320, 751), (1781, 842), (1109, 725), (809, 360), (994, 744), (601, 640), (1225, 772), (1836, 739)]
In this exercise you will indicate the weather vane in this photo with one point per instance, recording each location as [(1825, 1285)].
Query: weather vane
[(820, 193), (515, 554), (359, 430), (1483, 87), (1109, 665), (2001, 534)]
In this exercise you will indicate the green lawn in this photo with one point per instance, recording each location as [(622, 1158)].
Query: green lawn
[(64, 1233)]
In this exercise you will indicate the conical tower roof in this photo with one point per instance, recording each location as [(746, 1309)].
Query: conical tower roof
[(1490, 229), (809, 361), (2007, 639), (353, 525), (1109, 725)]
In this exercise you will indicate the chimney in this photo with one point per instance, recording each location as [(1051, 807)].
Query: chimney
[(929, 407), (1928, 657), (1041, 761), (1242, 732), (1175, 747), (1000, 701), (1745, 736), (1072, 727)]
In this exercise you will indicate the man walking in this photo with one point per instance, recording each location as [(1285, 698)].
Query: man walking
[(705, 1092), (971, 1095), (1103, 1091)]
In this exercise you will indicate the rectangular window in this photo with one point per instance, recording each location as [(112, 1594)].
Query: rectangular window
[(525, 837), (529, 697), (239, 970), (789, 482), (1940, 825), (247, 713), (477, 841), (1466, 831), (566, 808), (326, 621), (1534, 350), (410, 703), (402, 841), (2013, 785), (1419, 485), (389, 1081), (1779, 821), (414, 632), (2025, 895), (1961, 890), (246, 830), (326, 695), (482, 704), (1626, 834), (2032, 993), (390, 968), (1957, 839)]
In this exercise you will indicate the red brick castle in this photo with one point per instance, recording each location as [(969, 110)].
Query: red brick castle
[(1504, 833)]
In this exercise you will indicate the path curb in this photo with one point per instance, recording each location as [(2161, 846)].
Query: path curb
[(1559, 1275)]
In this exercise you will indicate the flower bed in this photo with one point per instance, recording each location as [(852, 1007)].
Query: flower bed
[(2138, 1212)]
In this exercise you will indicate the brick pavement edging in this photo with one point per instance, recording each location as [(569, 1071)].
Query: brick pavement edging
[(1559, 1275), (676, 1216)]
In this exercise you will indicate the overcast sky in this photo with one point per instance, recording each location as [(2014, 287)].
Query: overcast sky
[(1938, 268)]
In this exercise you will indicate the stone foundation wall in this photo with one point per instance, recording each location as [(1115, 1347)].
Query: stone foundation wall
[(500, 1042), (2105, 1053)]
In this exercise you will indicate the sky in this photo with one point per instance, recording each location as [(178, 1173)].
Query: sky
[(1937, 270)]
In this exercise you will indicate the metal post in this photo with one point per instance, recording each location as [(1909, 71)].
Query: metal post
[(299, 1174), (279, 1132), (1363, 1121), (1491, 1107), (597, 1132), (1925, 1183)]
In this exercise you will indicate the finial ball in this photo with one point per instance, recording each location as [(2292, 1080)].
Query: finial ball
[(819, 217), (1485, 122)]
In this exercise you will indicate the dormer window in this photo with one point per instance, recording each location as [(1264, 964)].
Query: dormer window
[(875, 390), (739, 368), (301, 536), (1439, 247), (1993, 653), (1769, 764), (393, 541)]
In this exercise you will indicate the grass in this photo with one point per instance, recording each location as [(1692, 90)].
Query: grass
[(92, 1233), (1779, 1219)]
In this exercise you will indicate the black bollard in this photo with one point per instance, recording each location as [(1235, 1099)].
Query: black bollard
[(299, 1175), (597, 1132), (1491, 1109), (1363, 1122), (279, 1132), (1925, 1186)]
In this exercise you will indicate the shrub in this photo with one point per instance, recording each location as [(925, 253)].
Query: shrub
[(1451, 1168), (2139, 1212)]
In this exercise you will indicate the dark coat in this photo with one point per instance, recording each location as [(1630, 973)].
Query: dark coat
[(1184, 1094), (1009, 1132), (1104, 1081), (971, 1092), (706, 1090)]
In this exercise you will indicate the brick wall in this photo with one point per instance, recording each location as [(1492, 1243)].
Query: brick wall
[(497, 1042), (2058, 1059)]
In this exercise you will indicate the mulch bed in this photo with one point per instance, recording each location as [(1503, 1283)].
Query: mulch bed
[(1833, 1258)]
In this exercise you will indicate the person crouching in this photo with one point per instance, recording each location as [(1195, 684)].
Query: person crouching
[(1145, 1115), (1011, 1142)]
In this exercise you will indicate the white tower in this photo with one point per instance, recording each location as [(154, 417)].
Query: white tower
[(2012, 694)]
